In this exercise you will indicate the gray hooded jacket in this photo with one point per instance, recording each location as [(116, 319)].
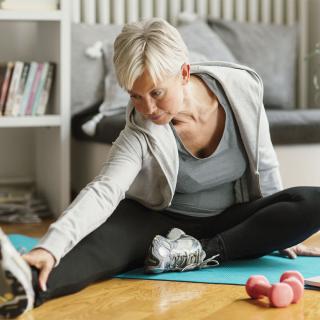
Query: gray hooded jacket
[(143, 162)]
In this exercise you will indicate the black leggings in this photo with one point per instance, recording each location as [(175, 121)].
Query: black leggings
[(246, 230)]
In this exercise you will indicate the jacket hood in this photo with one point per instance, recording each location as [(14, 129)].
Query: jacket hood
[(235, 82)]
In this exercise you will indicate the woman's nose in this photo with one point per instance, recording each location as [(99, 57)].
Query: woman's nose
[(149, 106)]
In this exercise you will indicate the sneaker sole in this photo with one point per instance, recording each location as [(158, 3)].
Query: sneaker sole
[(19, 302), (153, 264)]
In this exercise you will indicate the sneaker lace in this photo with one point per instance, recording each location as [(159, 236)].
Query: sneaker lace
[(210, 262), (183, 261)]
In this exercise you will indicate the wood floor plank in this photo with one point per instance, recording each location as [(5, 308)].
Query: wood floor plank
[(161, 300)]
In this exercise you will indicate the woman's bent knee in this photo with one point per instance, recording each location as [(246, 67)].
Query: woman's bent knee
[(309, 202), (308, 194)]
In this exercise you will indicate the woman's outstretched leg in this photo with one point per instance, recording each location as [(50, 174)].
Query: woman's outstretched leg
[(118, 245)]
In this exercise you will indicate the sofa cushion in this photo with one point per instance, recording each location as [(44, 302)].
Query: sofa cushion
[(294, 126), (199, 37), (271, 50), (115, 98), (87, 74)]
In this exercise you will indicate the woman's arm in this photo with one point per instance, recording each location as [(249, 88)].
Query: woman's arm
[(96, 202)]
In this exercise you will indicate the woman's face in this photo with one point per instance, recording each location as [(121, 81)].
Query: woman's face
[(160, 101)]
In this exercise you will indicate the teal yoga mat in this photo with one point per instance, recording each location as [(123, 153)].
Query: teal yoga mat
[(235, 272), (22, 243)]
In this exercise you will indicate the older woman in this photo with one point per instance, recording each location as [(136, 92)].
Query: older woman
[(193, 177)]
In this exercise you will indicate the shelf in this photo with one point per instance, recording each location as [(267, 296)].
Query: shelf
[(37, 148), (30, 121), (30, 15)]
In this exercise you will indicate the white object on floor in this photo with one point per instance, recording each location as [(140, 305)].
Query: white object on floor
[(313, 281), (18, 267)]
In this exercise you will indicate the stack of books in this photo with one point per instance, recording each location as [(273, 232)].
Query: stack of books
[(19, 203), (30, 5), (25, 88)]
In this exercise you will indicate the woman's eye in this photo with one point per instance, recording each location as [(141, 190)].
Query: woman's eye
[(132, 96), (156, 93)]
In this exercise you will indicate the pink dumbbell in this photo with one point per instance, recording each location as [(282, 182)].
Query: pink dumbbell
[(279, 294), (296, 281)]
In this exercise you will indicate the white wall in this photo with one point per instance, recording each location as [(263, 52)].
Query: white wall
[(299, 164), (314, 37)]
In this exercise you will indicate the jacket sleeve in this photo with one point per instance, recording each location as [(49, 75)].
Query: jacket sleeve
[(268, 165), (97, 201)]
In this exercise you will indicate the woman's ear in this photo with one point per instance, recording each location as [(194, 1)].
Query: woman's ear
[(185, 73)]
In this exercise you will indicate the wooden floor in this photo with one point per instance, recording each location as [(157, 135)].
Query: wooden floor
[(151, 300)]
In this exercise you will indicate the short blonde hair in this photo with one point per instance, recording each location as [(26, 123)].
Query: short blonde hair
[(151, 44)]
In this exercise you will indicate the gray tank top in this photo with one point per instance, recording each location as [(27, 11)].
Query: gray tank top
[(205, 186)]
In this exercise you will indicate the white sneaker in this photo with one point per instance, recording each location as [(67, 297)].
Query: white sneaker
[(176, 252), (16, 292)]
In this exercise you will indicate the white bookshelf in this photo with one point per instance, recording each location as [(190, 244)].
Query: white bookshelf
[(30, 15), (37, 148), (30, 121)]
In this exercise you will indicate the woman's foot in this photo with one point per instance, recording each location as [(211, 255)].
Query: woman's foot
[(16, 292), (176, 252)]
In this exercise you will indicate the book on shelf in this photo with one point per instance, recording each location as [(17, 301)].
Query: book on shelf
[(21, 85), (25, 87), (5, 87), (3, 69), (13, 88), (30, 5), (35, 85), (45, 93), (40, 87)]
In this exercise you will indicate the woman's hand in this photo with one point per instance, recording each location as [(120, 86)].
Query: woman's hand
[(42, 260), (301, 250)]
